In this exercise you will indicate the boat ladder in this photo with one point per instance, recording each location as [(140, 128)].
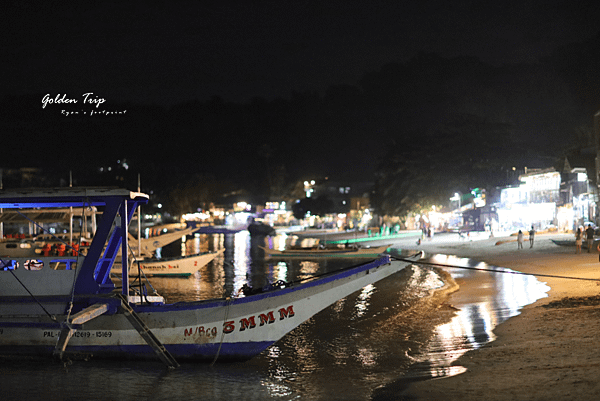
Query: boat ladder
[(67, 330), (147, 335)]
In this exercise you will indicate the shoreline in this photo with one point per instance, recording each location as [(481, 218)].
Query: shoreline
[(547, 350)]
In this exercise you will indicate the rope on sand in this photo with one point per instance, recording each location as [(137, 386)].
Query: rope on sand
[(496, 270)]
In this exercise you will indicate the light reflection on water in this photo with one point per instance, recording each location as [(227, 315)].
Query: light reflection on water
[(241, 259), (484, 301), (363, 347), (362, 301), (384, 334)]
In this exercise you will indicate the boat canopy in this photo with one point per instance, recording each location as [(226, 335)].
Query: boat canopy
[(64, 197), (45, 215), (111, 234)]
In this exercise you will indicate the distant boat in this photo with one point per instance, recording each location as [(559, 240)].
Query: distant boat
[(257, 228), (170, 267), (150, 245), (69, 306), (308, 253), (219, 230)]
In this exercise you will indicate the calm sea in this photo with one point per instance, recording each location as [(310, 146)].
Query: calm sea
[(366, 346)]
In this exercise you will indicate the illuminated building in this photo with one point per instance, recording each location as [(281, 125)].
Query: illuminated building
[(532, 203), (548, 199)]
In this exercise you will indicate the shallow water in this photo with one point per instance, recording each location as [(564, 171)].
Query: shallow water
[(363, 347), (485, 300)]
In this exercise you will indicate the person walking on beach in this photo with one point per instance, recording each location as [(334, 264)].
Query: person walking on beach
[(589, 236), (578, 240), (520, 240), (531, 237)]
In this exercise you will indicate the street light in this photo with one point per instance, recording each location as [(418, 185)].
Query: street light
[(308, 188)]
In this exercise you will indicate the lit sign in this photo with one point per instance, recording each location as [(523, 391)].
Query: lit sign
[(543, 182)]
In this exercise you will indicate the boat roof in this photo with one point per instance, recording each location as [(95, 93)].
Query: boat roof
[(45, 215), (64, 197)]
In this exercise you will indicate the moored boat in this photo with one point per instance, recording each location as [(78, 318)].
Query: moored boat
[(257, 228), (69, 306), (148, 246), (310, 253), (181, 266)]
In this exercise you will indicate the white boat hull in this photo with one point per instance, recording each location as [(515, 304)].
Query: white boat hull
[(325, 253), (150, 245), (227, 329), (184, 266)]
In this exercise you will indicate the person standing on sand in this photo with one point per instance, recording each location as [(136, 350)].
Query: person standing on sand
[(589, 232), (578, 240), (531, 237), (520, 240)]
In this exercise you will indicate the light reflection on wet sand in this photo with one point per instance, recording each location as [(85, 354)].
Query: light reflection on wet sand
[(484, 300)]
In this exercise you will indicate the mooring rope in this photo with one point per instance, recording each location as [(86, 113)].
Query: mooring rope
[(78, 255), (229, 302), (495, 270)]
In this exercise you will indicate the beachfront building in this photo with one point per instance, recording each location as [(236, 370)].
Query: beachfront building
[(321, 203), (579, 199), (533, 202), (276, 214), (548, 199), (580, 182), (476, 211)]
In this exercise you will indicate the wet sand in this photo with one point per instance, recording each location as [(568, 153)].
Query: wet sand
[(548, 352)]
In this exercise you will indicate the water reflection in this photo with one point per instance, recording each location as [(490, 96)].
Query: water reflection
[(383, 335), (366, 346), (242, 263), (308, 269), (485, 300), (280, 272), (242, 268)]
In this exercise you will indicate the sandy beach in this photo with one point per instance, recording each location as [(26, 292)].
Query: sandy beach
[(548, 352)]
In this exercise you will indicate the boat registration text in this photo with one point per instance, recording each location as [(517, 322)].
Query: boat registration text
[(245, 323), (82, 334)]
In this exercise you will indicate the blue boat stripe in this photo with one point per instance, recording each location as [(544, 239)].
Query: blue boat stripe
[(181, 352)]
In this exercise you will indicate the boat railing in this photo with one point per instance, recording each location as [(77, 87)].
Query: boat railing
[(40, 263), (42, 275)]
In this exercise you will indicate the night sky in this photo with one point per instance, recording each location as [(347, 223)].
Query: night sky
[(169, 52), (162, 61)]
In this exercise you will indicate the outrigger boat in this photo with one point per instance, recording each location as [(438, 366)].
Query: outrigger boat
[(71, 307), (151, 244), (182, 266), (310, 253)]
